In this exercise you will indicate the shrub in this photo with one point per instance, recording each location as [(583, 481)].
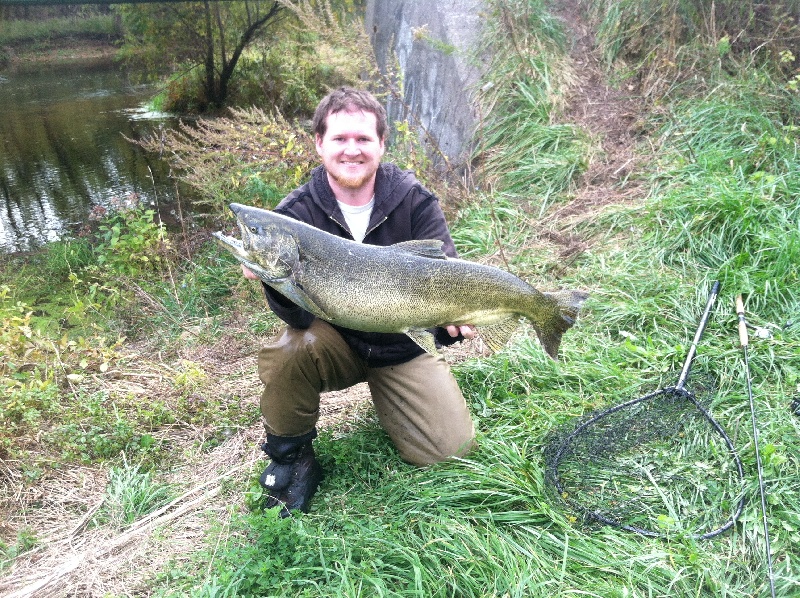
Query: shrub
[(248, 157)]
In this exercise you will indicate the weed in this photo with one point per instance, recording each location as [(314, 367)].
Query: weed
[(659, 42), (130, 495), (236, 158), (25, 541), (525, 154), (407, 152), (131, 243), (190, 376)]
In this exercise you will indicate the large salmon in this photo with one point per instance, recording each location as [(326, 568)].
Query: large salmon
[(404, 288)]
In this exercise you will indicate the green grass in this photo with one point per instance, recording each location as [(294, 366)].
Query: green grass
[(130, 495), (724, 204), (69, 315)]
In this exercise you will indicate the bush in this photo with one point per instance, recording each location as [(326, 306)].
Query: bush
[(248, 157), (132, 243)]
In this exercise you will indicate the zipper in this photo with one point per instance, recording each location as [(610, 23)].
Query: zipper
[(377, 224), (342, 226)]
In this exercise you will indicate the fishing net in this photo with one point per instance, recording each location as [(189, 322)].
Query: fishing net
[(657, 465)]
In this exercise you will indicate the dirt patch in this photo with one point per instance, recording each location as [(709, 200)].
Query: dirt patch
[(613, 119)]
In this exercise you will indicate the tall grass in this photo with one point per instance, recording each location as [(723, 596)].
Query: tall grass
[(524, 153), (131, 494), (731, 205), (660, 34)]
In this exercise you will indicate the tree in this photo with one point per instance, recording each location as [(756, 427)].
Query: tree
[(208, 35)]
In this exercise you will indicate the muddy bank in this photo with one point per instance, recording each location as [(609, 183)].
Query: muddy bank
[(61, 52)]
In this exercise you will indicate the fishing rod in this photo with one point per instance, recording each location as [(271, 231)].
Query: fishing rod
[(743, 339)]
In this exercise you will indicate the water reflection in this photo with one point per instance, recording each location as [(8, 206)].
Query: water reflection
[(62, 150)]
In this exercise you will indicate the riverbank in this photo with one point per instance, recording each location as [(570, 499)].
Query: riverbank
[(59, 52)]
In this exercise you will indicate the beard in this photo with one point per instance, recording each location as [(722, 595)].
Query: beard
[(350, 181)]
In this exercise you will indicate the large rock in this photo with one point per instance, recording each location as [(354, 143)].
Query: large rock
[(432, 44)]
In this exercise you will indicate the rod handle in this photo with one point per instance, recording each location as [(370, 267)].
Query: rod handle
[(743, 340)]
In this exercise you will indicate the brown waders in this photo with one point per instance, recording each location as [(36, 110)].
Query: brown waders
[(418, 402)]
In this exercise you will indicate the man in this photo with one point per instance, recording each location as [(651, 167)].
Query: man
[(418, 402)]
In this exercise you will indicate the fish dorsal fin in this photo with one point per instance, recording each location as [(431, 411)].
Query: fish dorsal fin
[(497, 335), (431, 248)]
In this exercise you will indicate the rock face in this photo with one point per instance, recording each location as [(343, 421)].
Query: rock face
[(431, 46)]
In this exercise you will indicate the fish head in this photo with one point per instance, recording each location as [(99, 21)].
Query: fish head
[(266, 247)]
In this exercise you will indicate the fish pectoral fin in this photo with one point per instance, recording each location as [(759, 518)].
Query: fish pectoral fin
[(430, 248), (295, 293), (497, 335), (424, 339)]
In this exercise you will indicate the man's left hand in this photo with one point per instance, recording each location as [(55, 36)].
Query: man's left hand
[(467, 331)]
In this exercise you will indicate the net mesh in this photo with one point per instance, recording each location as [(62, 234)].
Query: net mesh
[(656, 465)]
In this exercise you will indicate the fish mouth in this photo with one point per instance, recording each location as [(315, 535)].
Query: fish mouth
[(240, 248), (233, 244)]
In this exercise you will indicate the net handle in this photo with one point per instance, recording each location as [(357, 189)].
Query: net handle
[(687, 365)]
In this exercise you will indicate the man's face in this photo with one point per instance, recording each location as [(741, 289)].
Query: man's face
[(351, 150)]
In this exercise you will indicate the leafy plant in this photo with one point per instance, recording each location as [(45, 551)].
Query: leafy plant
[(132, 243), (25, 541)]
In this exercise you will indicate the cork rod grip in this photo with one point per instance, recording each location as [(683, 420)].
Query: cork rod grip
[(742, 324)]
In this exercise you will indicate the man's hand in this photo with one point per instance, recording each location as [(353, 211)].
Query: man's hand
[(467, 331), (248, 273)]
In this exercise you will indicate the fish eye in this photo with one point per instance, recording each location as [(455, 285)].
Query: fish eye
[(254, 230)]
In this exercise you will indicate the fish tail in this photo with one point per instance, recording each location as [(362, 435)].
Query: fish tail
[(567, 304)]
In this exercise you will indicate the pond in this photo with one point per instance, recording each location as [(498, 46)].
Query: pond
[(63, 150)]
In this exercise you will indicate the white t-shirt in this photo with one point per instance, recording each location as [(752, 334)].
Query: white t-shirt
[(357, 218)]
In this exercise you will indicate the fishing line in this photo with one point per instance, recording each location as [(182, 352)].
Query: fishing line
[(743, 340), (657, 465)]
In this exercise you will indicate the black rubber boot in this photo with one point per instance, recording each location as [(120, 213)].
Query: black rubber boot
[(293, 475)]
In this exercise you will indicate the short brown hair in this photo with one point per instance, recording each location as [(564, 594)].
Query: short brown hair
[(348, 99)]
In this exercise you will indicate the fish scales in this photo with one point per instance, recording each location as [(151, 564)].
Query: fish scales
[(404, 288), (352, 286)]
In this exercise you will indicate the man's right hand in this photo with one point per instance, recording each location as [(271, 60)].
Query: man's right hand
[(248, 273)]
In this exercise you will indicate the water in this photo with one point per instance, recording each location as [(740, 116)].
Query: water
[(62, 150)]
